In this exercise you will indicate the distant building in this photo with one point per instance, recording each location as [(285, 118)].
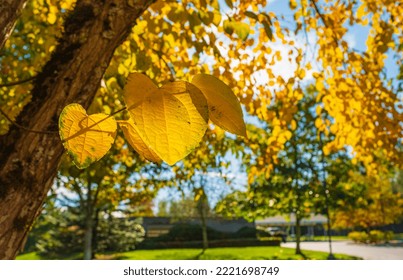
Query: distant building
[(156, 226), (314, 225)]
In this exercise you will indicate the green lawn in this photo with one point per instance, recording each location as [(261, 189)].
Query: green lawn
[(247, 253), (35, 256), (29, 256)]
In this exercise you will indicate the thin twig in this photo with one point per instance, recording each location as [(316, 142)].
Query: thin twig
[(18, 82), (25, 128)]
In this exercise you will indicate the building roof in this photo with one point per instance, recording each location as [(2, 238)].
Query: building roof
[(290, 220)]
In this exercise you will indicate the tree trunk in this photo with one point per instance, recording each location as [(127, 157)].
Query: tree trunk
[(88, 234), (298, 234), (89, 222), (9, 12), (29, 161), (204, 226), (95, 233)]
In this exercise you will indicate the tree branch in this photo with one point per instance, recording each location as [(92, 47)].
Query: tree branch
[(336, 40), (25, 128), (18, 82)]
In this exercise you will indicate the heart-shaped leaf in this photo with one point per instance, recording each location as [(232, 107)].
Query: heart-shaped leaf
[(224, 107), (171, 120), (133, 137), (87, 138)]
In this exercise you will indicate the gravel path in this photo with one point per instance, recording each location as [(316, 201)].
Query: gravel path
[(367, 252)]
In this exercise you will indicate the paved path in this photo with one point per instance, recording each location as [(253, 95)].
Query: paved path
[(366, 252)]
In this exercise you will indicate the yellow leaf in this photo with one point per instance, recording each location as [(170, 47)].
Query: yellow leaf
[(52, 18), (224, 107), (133, 137), (293, 125), (228, 27), (216, 19), (137, 87), (171, 119), (318, 123), (241, 29), (87, 138)]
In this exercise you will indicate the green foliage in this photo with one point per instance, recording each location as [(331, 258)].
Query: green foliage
[(118, 235), (56, 233), (59, 233)]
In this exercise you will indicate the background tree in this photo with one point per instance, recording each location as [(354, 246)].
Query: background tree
[(367, 202)]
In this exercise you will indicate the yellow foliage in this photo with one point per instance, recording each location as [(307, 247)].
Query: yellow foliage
[(171, 119), (86, 138), (133, 137), (224, 108)]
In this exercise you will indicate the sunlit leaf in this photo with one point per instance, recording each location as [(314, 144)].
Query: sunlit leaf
[(241, 30), (171, 119), (133, 137), (87, 138), (224, 107), (228, 27), (137, 88)]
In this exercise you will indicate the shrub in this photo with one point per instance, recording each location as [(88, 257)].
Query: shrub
[(193, 232), (388, 235), (355, 236), (376, 236), (118, 235), (245, 232)]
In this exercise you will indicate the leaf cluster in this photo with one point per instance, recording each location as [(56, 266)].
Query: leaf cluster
[(165, 123)]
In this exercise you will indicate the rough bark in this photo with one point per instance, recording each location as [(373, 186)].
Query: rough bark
[(9, 12), (29, 161)]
